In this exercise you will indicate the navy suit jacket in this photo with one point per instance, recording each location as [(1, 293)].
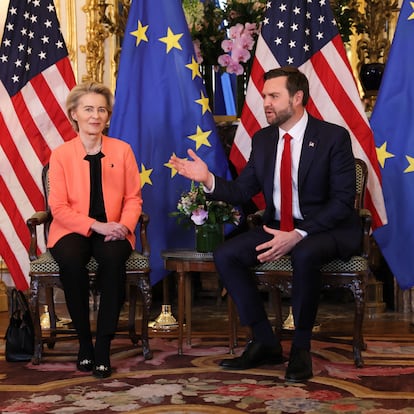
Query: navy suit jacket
[(326, 182)]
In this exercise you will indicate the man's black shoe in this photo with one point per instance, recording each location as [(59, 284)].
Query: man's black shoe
[(255, 354), (300, 365)]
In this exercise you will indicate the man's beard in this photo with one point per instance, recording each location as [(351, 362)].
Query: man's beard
[(282, 116)]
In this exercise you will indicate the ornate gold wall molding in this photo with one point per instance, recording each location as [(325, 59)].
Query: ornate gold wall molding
[(105, 26), (96, 34), (379, 18)]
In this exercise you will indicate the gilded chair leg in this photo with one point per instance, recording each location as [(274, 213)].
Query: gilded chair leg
[(358, 340), (146, 294), (132, 313), (34, 309), (276, 298), (52, 316)]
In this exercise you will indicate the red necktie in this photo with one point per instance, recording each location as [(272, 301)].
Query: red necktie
[(286, 218)]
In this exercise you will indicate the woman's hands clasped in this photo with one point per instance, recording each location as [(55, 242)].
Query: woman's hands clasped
[(112, 231)]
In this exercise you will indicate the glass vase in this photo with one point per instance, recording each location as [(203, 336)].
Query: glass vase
[(208, 237)]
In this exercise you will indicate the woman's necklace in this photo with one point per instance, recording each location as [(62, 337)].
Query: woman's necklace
[(95, 150)]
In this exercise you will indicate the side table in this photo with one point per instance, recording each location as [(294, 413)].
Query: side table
[(184, 263)]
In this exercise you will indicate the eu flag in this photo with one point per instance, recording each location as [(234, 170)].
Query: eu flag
[(392, 122), (161, 108)]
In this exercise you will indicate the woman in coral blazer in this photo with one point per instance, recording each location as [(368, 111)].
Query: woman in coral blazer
[(95, 200)]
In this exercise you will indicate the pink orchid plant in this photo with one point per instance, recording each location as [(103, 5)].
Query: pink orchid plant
[(238, 47)]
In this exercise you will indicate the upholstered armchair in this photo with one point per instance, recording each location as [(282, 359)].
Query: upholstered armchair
[(44, 278), (276, 276)]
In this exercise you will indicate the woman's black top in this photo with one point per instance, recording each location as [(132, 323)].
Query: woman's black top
[(96, 203)]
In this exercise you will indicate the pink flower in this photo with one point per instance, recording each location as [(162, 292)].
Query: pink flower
[(238, 46), (199, 216), (246, 41), (239, 54), (236, 31), (227, 45), (235, 67), (224, 60)]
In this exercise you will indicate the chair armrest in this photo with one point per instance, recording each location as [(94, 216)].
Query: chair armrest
[(255, 219), (143, 224), (366, 219), (37, 219)]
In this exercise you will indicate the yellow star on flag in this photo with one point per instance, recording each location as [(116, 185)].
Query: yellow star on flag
[(145, 175), (411, 16), (204, 102), (382, 154), (201, 138), (173, 170), (410, 167), (195, 69), (172, 40), (140, 33)]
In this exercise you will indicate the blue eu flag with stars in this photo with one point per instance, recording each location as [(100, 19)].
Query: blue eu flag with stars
[(161, 108), (392, 122)]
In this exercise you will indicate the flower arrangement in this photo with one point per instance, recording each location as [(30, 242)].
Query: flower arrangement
[(210, 25), (195, 208), (243, 21), (238, 47), (233, 29)]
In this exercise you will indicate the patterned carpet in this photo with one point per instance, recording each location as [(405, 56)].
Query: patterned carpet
[(193, 383)]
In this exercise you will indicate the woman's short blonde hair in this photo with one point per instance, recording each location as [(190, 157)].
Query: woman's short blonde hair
[(72, 101)]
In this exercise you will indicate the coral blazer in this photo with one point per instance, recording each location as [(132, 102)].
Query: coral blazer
[(69, 193)]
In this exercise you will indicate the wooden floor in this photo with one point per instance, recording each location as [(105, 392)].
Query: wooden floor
[(335, 317)]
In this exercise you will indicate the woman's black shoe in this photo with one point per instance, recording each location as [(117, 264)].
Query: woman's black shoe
[(102, 371), (84, 365)]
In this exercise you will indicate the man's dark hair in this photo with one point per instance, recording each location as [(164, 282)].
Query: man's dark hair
[(296, 80)]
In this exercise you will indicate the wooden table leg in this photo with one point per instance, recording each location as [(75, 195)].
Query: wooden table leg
[(181, 310), (188, 306), (165, 290)]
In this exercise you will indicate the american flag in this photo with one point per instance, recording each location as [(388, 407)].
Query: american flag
[(35, 78), (303, 33)]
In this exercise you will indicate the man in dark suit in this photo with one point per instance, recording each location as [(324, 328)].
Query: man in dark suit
[(325, 224)]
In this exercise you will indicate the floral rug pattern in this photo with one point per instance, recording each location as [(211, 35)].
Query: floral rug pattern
[(194, 383)]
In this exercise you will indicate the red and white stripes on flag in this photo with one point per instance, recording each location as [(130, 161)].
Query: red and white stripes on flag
[(35, 78), (304, 34)]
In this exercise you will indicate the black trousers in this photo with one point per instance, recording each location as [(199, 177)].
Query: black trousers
[(235, 256), (72, 252)]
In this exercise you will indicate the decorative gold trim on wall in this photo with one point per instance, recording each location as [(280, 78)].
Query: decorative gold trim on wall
[(106, 19), (72, 40), (379, 17), (96, 34)]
